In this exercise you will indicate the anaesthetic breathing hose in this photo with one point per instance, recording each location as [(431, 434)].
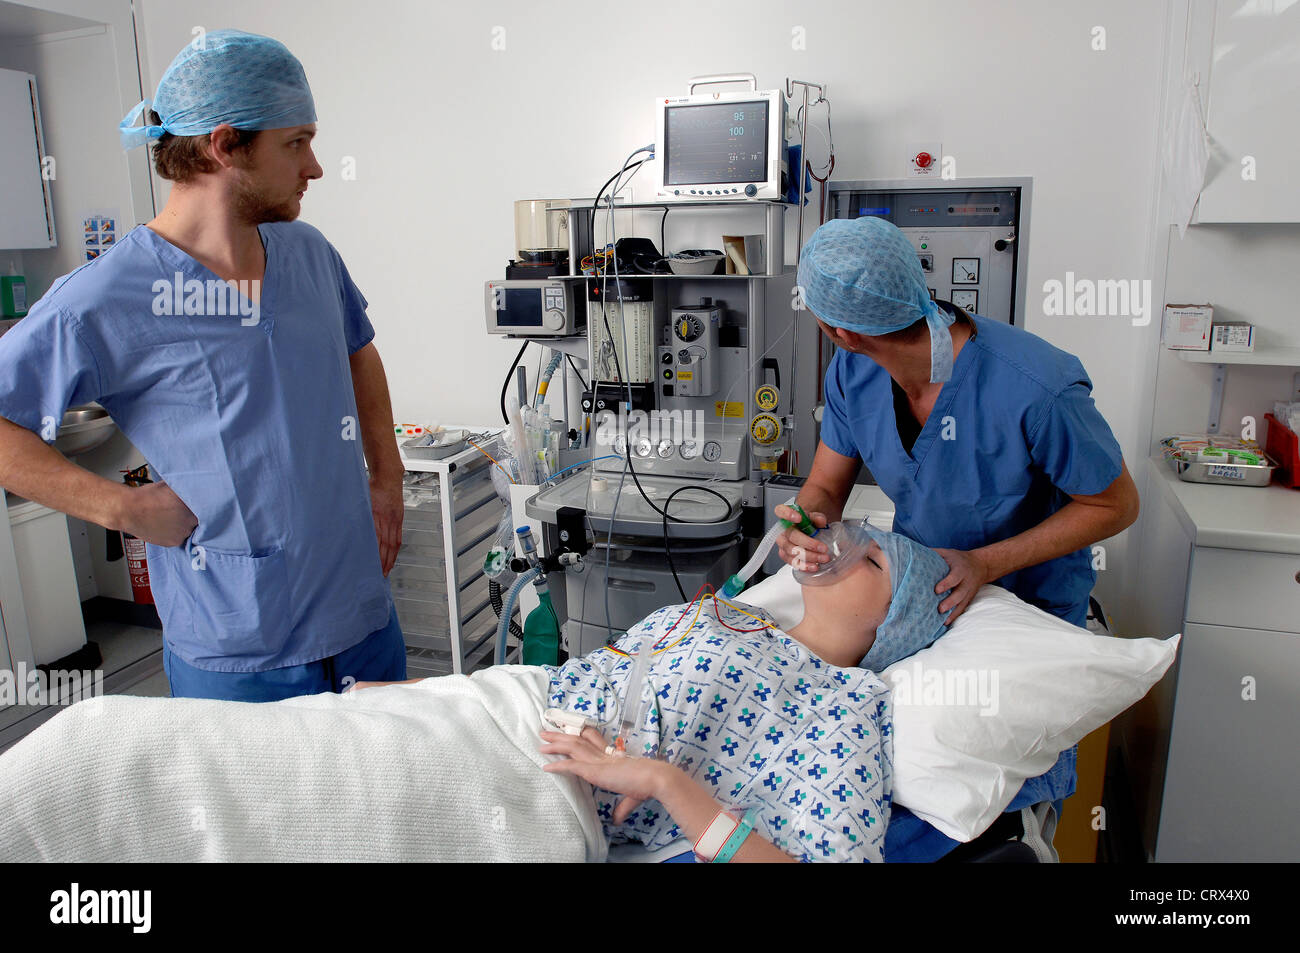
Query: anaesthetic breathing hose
[(508, 611), (544, 382), (736, 584), (494, 595)]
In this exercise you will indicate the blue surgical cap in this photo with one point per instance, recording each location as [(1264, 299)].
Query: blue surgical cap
[(248, 81), (863, 275), (914, 620)]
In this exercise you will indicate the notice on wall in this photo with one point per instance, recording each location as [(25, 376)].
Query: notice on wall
[(100, 233)]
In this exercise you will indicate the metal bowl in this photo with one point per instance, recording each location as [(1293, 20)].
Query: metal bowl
[(696, 261), (84, 428)]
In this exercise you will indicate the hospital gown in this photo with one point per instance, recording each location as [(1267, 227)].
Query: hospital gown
[(758, 720)]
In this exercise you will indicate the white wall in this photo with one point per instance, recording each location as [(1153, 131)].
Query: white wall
[(447, 132)]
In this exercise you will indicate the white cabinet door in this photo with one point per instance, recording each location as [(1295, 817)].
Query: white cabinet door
[(1232, 778), (1251, 109), (25, 217)]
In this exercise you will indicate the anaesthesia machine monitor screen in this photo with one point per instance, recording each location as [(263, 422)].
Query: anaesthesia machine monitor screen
[(716, 142)]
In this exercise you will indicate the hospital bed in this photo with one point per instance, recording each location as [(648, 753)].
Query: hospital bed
[(1016, 836), (386, 765)]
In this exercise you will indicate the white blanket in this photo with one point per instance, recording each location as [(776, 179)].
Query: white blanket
[(443, 770)]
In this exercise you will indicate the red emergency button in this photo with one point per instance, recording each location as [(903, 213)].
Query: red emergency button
[(923, 160)]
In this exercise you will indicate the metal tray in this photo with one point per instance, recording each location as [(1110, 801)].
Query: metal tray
[(1223, 474)]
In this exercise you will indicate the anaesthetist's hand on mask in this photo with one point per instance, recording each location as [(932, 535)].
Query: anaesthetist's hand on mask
[(387, 507), (968, 572), (155, 513), (798, 549)]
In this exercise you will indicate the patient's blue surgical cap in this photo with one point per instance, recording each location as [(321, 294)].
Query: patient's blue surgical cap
[(914, 620), (863, 275), (248, 81)]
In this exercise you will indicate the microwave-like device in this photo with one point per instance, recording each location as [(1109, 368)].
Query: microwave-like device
[(535, 307)]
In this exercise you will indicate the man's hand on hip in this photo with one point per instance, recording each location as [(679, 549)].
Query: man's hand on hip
[(387, 507), (155, 513)]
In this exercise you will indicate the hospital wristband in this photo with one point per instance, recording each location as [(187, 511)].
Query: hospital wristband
[(715, 836), (736, 839)]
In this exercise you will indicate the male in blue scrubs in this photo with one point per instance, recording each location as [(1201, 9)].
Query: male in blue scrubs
[(984, 436), (230, 345)]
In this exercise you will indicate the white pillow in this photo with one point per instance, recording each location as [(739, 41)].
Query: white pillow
[(994, 701)]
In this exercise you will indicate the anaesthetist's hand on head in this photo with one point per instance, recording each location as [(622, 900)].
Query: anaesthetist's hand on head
[(967, 572)]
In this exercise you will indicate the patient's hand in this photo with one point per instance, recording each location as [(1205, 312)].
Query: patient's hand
[(637, 779)]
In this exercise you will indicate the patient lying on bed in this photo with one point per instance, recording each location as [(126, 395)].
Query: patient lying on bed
[(739, 715), (744, 717)]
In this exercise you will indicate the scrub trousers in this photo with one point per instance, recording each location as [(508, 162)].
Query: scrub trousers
[(379, 657)]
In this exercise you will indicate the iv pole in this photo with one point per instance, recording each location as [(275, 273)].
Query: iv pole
[(803, 183)]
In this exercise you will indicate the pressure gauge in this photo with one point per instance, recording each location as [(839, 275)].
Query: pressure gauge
[(665, 449), (713, 451), (967, 298), (765, 429), (689, 450), (644, 447), (620, 445), (767, 397), (965, 271)]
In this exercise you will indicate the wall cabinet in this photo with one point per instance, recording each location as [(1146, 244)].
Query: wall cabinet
[(26, 214), (1250, 107)]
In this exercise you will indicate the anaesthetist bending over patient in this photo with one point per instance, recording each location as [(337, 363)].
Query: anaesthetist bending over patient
[(984, 436), (756, 744), (229, 344)]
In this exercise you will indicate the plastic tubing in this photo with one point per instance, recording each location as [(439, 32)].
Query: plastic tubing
[(508, 611), (733, 586), (736, 583), (545, 382)]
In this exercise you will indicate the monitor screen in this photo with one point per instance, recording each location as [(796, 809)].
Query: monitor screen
[(523, 308), (716, 142)]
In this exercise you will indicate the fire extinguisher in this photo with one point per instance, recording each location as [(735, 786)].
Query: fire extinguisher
[(137, 565)]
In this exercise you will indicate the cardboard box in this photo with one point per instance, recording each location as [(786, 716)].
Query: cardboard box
[(1187, 327), (1236, 336), (746, 254)]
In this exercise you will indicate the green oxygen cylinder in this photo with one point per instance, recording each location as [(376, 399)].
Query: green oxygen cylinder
[(542, 632)]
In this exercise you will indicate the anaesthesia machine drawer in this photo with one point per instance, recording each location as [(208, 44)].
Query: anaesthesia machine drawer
[(1242, 588)]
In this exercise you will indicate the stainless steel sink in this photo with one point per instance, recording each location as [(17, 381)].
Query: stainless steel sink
[(84, 428)]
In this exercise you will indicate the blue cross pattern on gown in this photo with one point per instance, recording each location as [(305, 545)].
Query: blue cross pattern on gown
[(758, 721)]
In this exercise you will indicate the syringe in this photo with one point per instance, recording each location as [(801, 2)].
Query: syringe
[(633, 707)]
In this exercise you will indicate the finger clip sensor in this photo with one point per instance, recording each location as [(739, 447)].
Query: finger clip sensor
[(568, 722)]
